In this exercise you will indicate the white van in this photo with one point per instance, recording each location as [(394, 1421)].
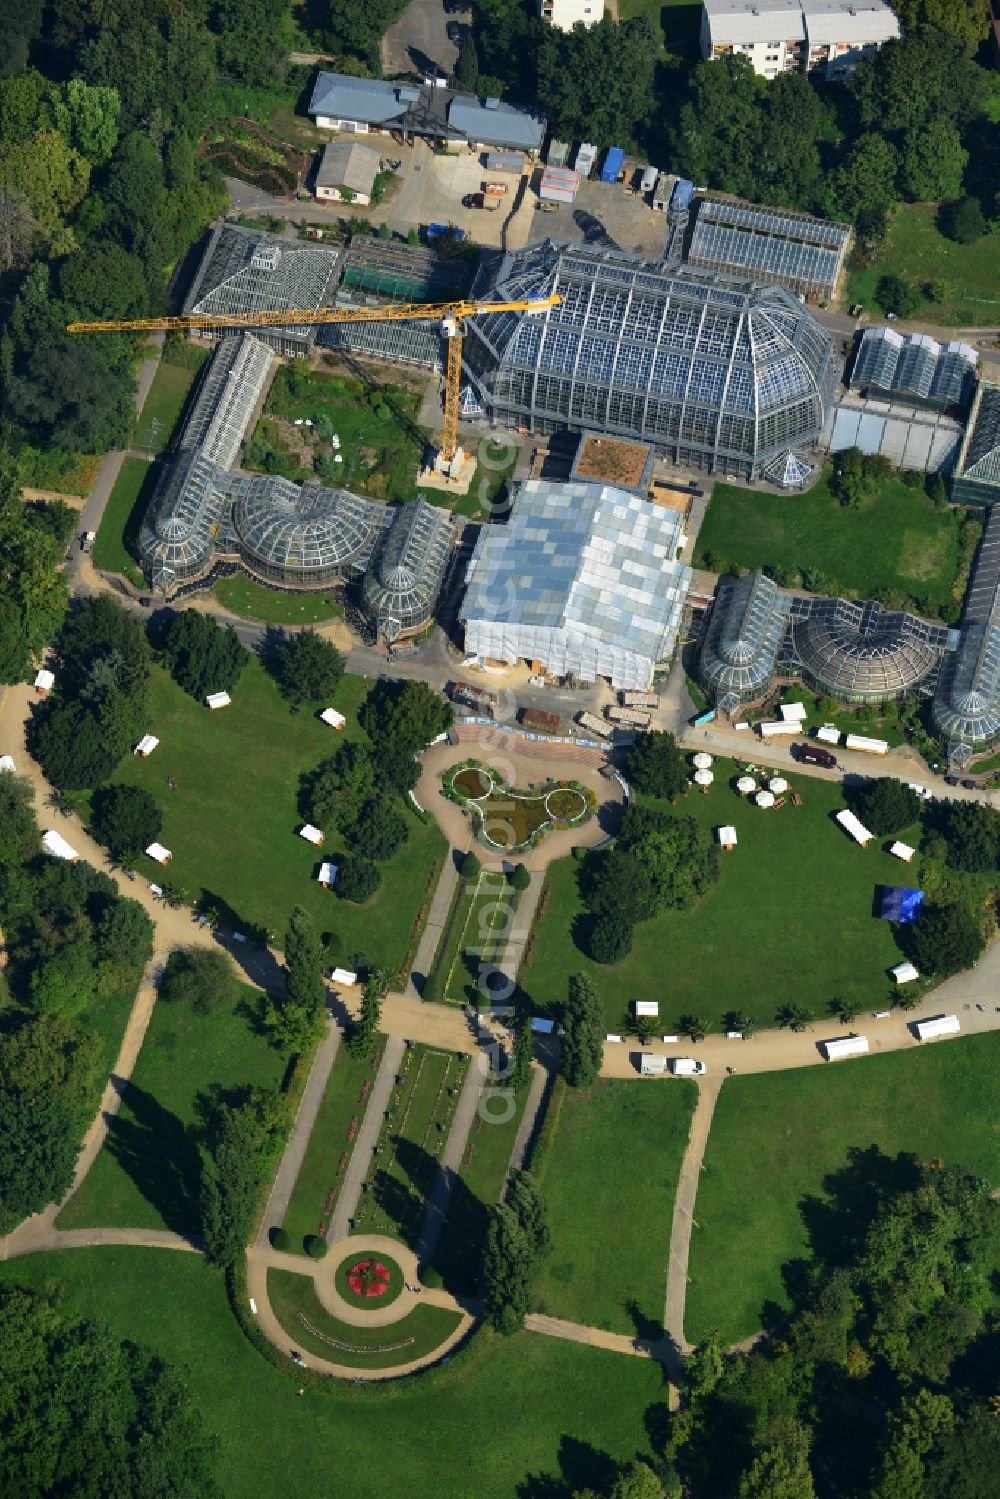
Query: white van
[(687, 1067)]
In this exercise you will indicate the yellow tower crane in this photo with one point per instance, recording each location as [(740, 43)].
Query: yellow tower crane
[(450, 315)]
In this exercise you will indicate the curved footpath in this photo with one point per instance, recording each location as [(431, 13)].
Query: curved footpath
[(973, 994)]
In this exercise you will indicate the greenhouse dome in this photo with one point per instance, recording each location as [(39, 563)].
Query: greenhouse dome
[(401, 588), (721, 375), (742, 643), (294, 533), (860, 652)]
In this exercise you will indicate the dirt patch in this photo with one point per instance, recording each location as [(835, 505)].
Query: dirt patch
[(920, 558)]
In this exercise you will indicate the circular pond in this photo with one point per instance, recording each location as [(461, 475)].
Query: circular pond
[(368, 1281), (472, 783)]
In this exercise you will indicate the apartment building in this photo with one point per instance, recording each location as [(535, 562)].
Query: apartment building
[(564, 14), (822, 37)]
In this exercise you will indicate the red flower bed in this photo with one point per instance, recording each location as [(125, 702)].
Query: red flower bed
[(369, 1278)]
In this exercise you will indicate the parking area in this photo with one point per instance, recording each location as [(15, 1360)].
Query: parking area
[(418, 42)]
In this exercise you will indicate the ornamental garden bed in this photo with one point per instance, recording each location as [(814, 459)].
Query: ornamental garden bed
[(368, 1282), (510, 820)]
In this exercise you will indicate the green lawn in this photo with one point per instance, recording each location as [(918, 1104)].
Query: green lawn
[(899, 541), (915, 248), (483, 936), (148, 1172), (329, 1150), (232, 819), (251, 600), (775, 1138), (570, 1406), (609, 1182), (793, 907), (165, 402), (311, 1326), (116, 547), (410, 1143), (477, 1187)]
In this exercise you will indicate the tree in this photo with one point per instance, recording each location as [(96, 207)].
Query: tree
[(303, 962), (126, 818), (471, 867), (866, 181), (964, 19), (83, 1412), (909, 82), (254, 37), (18, 228), (380, 830), (845, 1010), (636, 1481), (740, 1021), (718, 124), (655, 766), (704, 1367), (124, 935), (886, 805), (911, 1433), (364, 1035), (897, 294), (39, 1144), (467, 64), (610, 938), (229, 1187), (522, 1055), (357, 879), (309, 669), (341, 786), (945, 939), (401, 718), (963, 220), (583, 1042), (932, 162), (972, 836), (520, 878), (63, 981), (199, 978), (590, 80), (693, 1027), (70, 397), (780, 1471), (794, 1017), (508, 1268), (19, 839), (203, 657)]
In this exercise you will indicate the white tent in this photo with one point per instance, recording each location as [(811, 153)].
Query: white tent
[(333, 718), (855, 827), (45, 681), (702, 760), (828, 734), (146, 745), (703, 778), (55, 844), (745, 785), (764, 799), (792, 712), (159, 853), (7, 763), (647, 1007), (218, 700), (845, 1046), (343, 976), (902, 851), (726, 836), (940, 1025), (904, 973), (311, 834), (327, 874), (778, 784)]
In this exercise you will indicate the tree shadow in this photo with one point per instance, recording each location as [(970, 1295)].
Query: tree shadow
[(581, 1467), (838, 1222), (159, 1153), (459, 1251), (647, 1329)]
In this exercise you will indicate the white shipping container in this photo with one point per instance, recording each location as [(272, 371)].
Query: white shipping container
[(771, 730), (652, 1065), (866, 746), (846, 1046), (940, 1025)]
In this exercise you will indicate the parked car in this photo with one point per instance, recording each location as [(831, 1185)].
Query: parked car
[(951, 780), (970, 784), (814, 754), (454, 32)]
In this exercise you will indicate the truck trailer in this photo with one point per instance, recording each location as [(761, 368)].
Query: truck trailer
[(640, 700), (628, 718), (594, 725)]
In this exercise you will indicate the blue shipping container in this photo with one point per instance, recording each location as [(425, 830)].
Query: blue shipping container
[(613, 164), (434, 230), (682, 194)]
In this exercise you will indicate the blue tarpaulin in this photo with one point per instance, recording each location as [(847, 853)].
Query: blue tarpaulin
[(899, 903)]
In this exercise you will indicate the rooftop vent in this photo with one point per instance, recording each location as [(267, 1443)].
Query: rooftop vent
[(265, 258)]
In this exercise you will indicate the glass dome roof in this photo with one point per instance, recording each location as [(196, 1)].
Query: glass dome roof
[(864, 652), (303, 528)]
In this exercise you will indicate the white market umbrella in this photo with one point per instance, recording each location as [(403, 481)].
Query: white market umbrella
[(764, 799), (702, 760), (703, 777), (778, 784), (745, 785)]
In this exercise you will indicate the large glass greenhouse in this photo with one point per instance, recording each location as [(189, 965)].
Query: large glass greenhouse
[(718, 375), (401, 587), (303, 533), (862, 653), (742, 643), (967, 702)]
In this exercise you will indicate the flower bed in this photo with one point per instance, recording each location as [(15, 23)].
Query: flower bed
[(511, 820), (368, 1281)]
